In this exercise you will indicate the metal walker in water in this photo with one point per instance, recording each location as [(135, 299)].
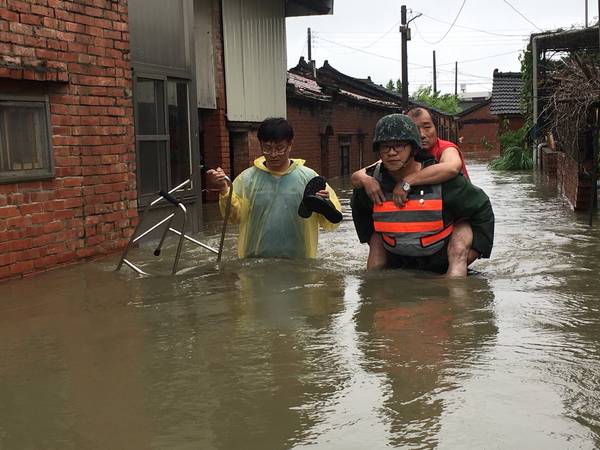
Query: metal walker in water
[(182, 210)]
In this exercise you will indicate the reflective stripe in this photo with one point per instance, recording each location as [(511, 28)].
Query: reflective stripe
[(416, 228), (411, 205), (426, 241), (408, 227), (407, 216), (388, 240)]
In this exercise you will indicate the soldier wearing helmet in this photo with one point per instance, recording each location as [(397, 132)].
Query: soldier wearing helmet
[(418, 233)]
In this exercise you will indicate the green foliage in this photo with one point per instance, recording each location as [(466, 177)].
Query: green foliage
[(447, 103), (516, 154), (394, 86), (526, 60), (399, 85)]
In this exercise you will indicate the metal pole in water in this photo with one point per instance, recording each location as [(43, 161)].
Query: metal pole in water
[(225, 219)]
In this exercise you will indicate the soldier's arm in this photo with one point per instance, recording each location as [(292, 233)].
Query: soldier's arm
[(448, 167)]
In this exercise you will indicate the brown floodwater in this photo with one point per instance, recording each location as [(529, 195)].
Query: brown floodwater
[(271, 354)]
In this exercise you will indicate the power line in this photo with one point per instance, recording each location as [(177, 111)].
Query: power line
[(383, 35), (447, 31), (473, 29), (482, 58), (422, 66), (358, 49), (521, 14)]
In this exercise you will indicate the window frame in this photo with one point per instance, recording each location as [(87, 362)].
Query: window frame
[(345, 143), (162, 138), (47, 173)]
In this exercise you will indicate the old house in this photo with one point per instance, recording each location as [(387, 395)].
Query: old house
[(478, 128), (103, 102), (334, 116), (506, 100)]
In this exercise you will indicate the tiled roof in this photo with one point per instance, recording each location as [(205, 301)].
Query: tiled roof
[(306, 87), (506, 92)]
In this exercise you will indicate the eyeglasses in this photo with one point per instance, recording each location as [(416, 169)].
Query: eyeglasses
[(276, 149), (386, 148)]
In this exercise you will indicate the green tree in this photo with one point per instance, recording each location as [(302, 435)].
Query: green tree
[(447, 103), (394, 87)]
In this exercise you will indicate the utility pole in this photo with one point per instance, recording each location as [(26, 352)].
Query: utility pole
[(586, 13), (455, 78), (311, 63), (405, 37), (596, 134), (434, 75), (309, 42)]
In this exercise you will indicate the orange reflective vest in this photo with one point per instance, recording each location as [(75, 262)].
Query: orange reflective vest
[(416, 228)]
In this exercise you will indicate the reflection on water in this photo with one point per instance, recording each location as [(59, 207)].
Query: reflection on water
[(293, 354)]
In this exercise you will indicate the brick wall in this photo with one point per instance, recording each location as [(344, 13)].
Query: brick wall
[(214, 123), (76, 52), (311, 121), (549, 163), (576, 187), (479, 130)]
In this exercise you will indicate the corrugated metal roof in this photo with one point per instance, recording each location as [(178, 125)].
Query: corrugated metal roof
[(506, 92)]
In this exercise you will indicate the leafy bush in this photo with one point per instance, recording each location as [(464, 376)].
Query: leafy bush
[(447, 103), (515, 153)]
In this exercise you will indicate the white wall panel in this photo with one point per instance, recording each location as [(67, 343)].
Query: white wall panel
[(255, 59)]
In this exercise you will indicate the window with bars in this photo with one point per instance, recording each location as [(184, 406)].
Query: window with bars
[(25, 147)]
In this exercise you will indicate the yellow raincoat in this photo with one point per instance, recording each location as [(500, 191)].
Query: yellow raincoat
[(265, 204)]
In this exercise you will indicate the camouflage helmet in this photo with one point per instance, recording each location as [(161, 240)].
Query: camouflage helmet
[(396, 127)]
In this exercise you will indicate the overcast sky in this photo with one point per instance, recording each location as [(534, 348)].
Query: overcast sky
[(358, 30)]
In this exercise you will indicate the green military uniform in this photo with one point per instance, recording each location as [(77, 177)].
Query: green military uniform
[(461, 200)]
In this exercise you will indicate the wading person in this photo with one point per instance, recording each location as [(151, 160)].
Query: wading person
[(450, 164), (419, 233), (278, 202)]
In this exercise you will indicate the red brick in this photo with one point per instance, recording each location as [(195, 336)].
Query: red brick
[(53, 227), (31, 208), (9, 16), (8, 211), (6, 259), (21, 267), (21, 244)]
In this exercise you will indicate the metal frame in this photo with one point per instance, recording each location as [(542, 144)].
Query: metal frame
[(166, 196), (46, 173)]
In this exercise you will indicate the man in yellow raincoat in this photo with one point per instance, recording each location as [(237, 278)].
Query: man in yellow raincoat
[(266, 198)]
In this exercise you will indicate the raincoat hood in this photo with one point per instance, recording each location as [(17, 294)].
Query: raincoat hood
[(259, 163)]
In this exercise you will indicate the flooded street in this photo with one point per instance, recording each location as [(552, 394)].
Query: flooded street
[(278, 354)]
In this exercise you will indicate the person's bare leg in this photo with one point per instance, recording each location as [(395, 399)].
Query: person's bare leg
[(460, 253), (377, 258)]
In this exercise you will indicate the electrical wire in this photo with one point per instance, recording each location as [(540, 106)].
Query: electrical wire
[(480, 59), (358, 49), (383, 35), (521, 14), (421, 66), (447, 31), (493, 33)]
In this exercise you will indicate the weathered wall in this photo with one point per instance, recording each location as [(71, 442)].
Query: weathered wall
[(312, 120), (576, 187), (77, 53), (479, 130)]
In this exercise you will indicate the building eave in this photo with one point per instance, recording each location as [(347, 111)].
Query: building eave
[(296, 8)]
